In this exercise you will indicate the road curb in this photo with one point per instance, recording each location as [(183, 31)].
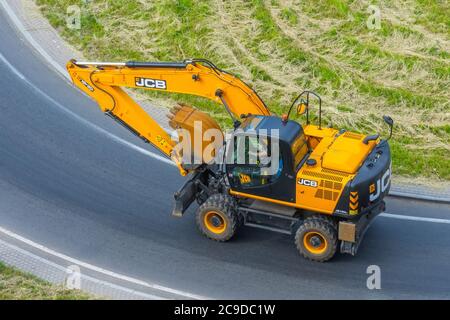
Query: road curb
[(57, 274), (58, 268), (48, 39), (401, 192)]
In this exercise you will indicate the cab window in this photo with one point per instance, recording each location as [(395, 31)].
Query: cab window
[(257, 169), (299, 149)]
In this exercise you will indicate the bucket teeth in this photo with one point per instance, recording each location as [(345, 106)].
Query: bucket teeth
[(175, 109), (179, 116), (173, 124)]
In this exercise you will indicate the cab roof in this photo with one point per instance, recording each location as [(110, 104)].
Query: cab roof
[(288, 131)]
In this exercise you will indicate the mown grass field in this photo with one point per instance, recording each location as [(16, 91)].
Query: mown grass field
[(282, 47), (16, 285)]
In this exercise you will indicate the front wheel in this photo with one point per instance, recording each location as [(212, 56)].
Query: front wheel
[(217, 217), (316, 239)]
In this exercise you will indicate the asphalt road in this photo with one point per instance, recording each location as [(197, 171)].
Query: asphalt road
[(72, 188)]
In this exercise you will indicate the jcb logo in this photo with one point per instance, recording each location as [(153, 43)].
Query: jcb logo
[(151, 83), (244, 178), (308, 183), (381, 185)]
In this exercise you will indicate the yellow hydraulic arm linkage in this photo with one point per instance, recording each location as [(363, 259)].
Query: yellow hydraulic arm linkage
[(104, 81)]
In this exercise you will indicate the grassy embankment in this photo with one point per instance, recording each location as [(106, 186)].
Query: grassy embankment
[(281, 47), (16, 285)]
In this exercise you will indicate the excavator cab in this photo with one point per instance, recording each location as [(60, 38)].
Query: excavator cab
[(264, 156)]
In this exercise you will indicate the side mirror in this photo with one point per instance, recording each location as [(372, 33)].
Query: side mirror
[(388, 120), (301, 108), (390, 123)]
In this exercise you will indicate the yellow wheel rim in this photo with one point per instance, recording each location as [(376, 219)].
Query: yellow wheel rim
[(315, 242), (215, 222)]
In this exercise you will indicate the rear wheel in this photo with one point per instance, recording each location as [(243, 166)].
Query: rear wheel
[(217, 217), (316, 239)]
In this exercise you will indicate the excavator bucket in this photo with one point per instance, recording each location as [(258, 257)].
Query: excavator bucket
[(196, 123)]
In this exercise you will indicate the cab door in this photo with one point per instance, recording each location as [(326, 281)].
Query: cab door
[(262, 174)]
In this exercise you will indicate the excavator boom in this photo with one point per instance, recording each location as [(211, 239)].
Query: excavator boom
[(104, 81)]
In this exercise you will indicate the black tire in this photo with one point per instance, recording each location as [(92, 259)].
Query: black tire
[(316, 238), (217, 217)]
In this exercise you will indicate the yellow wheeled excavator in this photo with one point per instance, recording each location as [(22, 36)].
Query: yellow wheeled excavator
[(326, 186)]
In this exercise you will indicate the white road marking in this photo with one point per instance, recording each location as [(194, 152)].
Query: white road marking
[(414, 218), (64, 73), (155, 156), (98, 269), (113, 137), (49, 263), (31, 40), (156, 286), (19, 25), (81, 119)]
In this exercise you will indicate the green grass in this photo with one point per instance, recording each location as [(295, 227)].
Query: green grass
[(282, 47), (16, 285)]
